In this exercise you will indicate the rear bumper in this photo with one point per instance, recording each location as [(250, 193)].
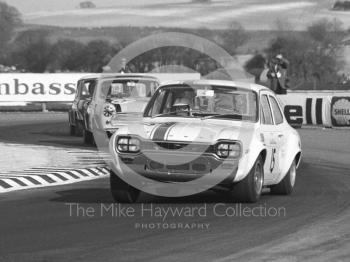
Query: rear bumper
[(179, 167)]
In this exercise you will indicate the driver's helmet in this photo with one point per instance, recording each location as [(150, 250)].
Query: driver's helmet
[(186, 98), (182, 101)]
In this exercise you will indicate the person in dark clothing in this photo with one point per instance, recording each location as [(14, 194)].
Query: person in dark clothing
[(125, 69), (277, 74)]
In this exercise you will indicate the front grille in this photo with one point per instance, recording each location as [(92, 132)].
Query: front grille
[(171, 146), (186, 147), (184, 167), (156, 166), (127, 160), (199, 167), (192, 167)]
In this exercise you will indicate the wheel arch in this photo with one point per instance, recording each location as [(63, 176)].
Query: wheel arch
[(118, 108), (295, 156), (298, 159), (263, 154), (249, 159)]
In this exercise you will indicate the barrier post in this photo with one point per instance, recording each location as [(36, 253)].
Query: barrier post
[(44, 108)]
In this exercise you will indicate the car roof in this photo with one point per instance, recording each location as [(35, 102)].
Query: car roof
[(90, 76), (255, 87), (127, 75), (118, 75)]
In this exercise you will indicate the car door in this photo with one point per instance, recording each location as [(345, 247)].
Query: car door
[(279, 133), (73, 112), (269, 137), (89, 87), (80, 100)]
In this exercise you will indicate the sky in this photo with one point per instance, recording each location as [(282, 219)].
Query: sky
[(29, 6), (252, 14)]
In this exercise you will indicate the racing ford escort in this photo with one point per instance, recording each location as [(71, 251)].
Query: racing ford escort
[(232, 136)]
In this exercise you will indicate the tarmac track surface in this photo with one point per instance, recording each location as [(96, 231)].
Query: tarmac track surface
[(37, 225)]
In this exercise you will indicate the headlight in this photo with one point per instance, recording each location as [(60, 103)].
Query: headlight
[(109, 110), (228, 149), (128, 145), (134, 145)]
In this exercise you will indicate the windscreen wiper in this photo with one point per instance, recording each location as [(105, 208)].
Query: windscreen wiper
[(236, 116), (165, 114)]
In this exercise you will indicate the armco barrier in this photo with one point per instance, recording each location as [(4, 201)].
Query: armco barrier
[(325, 108), (305, 110), (316, 108)]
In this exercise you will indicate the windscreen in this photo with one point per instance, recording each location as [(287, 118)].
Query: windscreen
[(202, 101), (128, 88)]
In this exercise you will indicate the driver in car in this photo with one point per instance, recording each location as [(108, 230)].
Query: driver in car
[(183, 105)]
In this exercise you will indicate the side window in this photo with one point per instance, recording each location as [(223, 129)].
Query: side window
[(78, 90), (92, 87), (168, 103), (263, 120), (266, 111), (88, 87), (277, 114), (84, 88), (157, 103), (102, 90)]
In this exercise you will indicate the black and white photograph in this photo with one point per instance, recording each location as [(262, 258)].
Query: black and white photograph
[(174, 130)]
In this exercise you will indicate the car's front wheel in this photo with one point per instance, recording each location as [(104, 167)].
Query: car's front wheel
[(88, 137), (121, 191), (286, 186), (72, 130), (79, 128), (250, 188)]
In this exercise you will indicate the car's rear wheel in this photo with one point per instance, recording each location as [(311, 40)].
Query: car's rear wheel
[(250, 188), (286, 186), (121, 191)]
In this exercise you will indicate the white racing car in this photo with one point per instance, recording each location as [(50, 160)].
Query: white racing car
[(117, 99), (231, 136)]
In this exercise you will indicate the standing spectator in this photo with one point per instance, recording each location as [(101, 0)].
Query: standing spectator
[(125, 69), (277, 74)]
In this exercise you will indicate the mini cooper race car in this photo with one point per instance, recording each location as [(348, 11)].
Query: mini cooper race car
[(117, 98), (83, 95), (230, 133)]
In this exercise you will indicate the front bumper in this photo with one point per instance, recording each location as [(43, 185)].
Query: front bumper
[(176, 167)]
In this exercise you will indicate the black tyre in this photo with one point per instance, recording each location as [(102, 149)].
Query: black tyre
[(72, 130), (250, 188), (286, 186), (79, 128), (121, 191), (88, 137)]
